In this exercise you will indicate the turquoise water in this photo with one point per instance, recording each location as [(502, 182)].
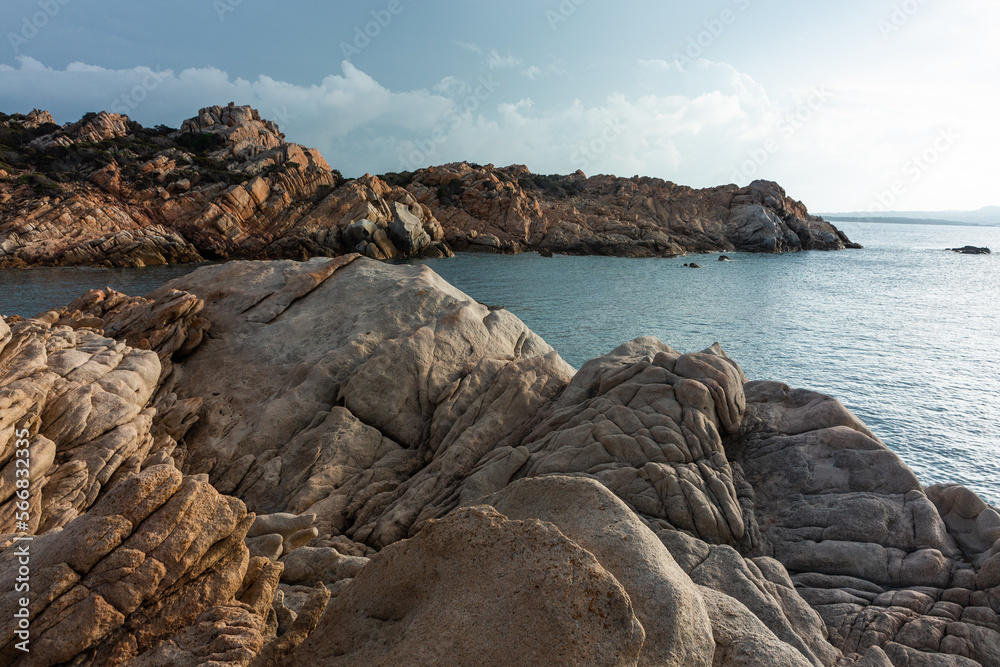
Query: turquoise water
[(905, 334), (28, 292)]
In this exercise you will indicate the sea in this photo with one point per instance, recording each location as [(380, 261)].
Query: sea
[(903, 332)]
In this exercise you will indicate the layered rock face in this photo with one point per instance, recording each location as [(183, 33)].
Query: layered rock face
[(512, 210), (107, 192), (344, 462)]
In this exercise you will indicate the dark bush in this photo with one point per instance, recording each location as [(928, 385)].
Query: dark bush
[(450, 194), (398, 178), (201, 143)]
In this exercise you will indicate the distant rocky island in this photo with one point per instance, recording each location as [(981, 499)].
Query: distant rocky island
[(105, 191), (346, 462)]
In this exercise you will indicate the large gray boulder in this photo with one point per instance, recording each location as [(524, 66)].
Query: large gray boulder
[(416, 457), (665, 600), (477, 588), (407, 230)]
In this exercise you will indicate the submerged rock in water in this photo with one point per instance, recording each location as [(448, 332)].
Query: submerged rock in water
[(971, 250), (344, 462)]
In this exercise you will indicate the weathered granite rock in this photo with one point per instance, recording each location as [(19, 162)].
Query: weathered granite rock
[(665, 600), (476, 588), (226, 185), (38, 118), (647, 422), (864, 544), (92, 128), (421, 460), (150, 558), (224, 636), (512, 210), (459, 376), (742, 639), (81, 400), (973, 524)]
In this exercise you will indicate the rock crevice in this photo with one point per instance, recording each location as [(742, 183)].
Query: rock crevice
[(362, 464)]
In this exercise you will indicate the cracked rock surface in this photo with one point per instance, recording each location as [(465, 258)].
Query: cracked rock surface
[(343, 462)]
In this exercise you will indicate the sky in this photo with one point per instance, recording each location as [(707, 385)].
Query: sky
[(858, 105)]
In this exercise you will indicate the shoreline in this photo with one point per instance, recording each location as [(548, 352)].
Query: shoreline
[(347, 424)]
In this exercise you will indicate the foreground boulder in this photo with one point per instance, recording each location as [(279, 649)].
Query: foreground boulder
[(477, 588), (127, 550), (344, 462), (666, 601)]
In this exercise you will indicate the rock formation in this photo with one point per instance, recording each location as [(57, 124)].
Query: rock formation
[(512, 210), (104, 191), (343, 462)]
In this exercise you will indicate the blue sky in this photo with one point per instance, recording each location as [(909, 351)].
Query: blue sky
[(852, 105)]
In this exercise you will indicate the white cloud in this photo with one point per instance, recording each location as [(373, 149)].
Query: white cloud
[(496, 61), (451, 86), (696, 125), (468, 46), (361, 126)]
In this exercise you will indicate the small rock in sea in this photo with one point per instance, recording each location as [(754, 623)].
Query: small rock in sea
[(723, 258), (692, 265), (545, 252), (971, 250)]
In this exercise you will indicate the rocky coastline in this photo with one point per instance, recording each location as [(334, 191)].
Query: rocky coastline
[(342, 461), (105, 191), (509, 210)]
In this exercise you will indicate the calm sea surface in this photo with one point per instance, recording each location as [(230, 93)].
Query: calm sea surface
[(903, 333)]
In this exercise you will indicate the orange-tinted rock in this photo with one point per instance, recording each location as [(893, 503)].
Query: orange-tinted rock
[(511, 210)]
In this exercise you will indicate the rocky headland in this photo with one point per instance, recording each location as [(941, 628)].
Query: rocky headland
[(105, 191), (343, 462), (512, 210)]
